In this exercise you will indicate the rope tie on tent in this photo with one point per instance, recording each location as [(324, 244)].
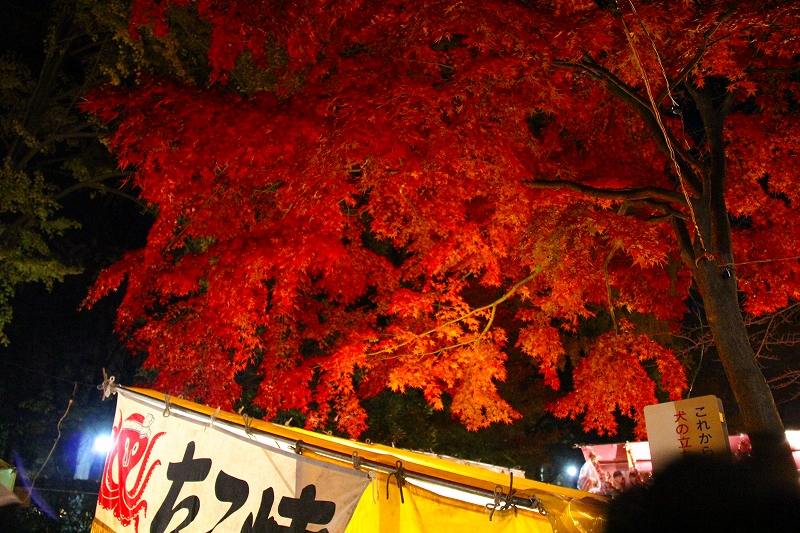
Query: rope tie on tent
[(108, 387), (166, 412), (248, 426), (399, 476), (298, 447), (537, 504), (373, 480), (501, 504), (213, 418), (356, 461)]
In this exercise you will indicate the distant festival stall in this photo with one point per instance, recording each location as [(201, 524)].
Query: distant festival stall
[(627, 456), (180, 466)]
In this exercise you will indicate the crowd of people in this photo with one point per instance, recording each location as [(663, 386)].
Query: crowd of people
[(708, 494), (592, 478)]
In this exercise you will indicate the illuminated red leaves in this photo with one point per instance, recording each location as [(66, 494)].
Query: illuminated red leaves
[(543, 343), (615, 377), (360, 229)]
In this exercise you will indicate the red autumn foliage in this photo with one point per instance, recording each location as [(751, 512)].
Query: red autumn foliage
[(331, 232)]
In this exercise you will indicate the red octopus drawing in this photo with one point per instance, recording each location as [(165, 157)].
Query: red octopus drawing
[(132, 445)]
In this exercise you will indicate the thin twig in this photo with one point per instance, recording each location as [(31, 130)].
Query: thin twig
[(491, 306), (58, 427)]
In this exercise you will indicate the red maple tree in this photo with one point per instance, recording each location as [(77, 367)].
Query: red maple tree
[(564, 157)]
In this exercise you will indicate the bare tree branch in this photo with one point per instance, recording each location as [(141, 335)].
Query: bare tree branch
[(626, 94), (622, 195), (492, 306)]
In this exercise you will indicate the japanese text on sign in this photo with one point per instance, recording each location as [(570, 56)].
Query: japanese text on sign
[(166, 474), (696, 425), (301, 511)]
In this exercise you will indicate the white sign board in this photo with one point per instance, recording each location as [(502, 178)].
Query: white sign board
[(170, 473), (696, 425)]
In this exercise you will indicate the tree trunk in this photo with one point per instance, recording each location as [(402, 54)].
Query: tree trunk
[(771, 451), (719, 290)]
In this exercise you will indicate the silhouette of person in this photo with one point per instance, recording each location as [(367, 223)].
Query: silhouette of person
[(712, 493)]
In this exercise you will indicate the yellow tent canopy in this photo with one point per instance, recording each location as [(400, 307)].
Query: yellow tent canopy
[(413, 492)]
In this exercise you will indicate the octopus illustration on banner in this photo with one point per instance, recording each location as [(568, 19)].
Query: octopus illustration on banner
[(129, 456)]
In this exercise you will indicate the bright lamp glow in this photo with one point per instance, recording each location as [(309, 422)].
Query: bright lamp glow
[(572, 470), (102, 444), (794, 439)]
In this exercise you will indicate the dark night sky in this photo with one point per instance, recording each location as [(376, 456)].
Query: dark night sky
[(54, 345), (22, 27)]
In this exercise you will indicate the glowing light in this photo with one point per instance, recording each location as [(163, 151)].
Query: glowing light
[(571, 470), (102, 444), (793, 436)]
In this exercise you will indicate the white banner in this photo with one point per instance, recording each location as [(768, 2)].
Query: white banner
[(170, 473)]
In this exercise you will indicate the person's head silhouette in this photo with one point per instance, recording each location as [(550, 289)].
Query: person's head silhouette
[(711, 494)]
